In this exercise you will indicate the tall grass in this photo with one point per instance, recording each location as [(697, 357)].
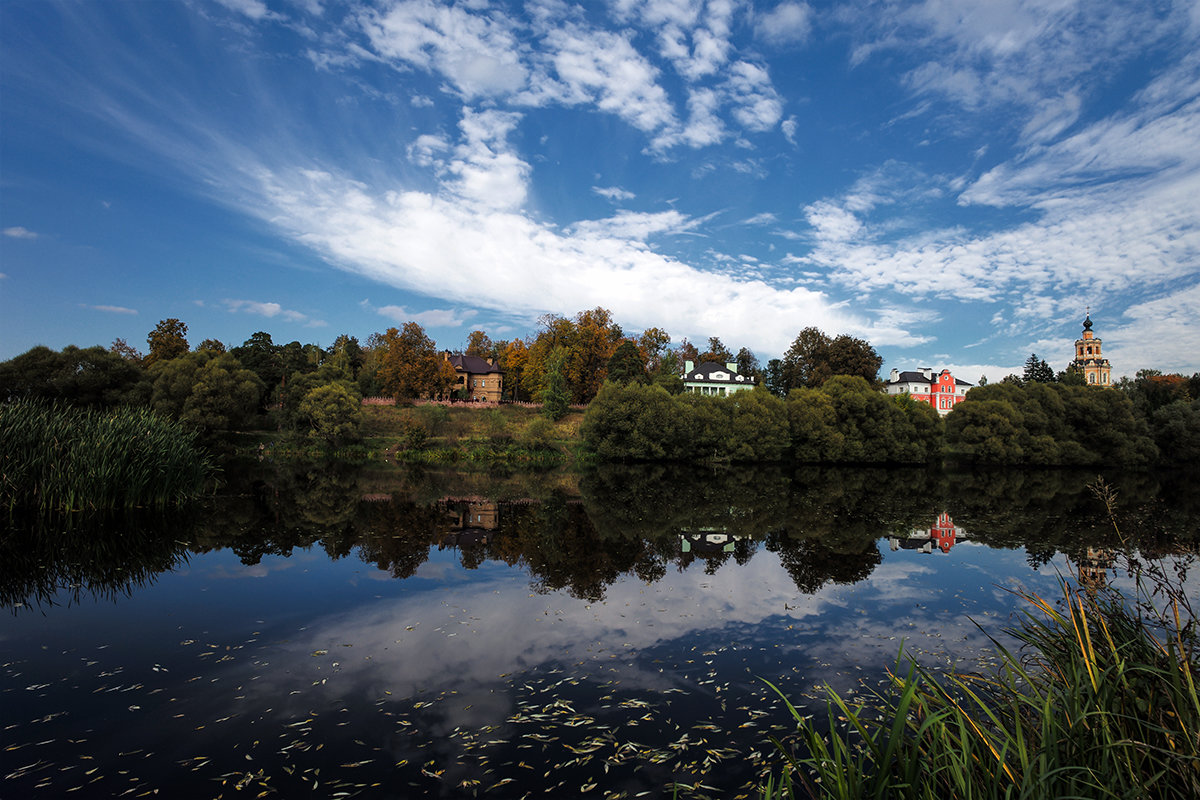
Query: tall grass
[(1099, 701), (55, 458)]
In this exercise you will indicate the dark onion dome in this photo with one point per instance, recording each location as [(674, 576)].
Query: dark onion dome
[(1087, 322)]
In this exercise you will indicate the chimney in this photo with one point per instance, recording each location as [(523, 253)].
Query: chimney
[(688, 365), (732, 367), (927, 372), (895, 376)]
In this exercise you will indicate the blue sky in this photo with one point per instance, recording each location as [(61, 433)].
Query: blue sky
[(953, 180)]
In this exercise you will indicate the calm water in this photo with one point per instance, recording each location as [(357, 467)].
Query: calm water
[(325, 631)]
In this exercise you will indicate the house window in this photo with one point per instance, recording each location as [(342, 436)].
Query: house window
[(483, 383)]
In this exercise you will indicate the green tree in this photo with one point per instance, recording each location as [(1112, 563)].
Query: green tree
[(211, 346), (554, 398), (90, 376), (346, 355), (627, 364), (748, 363), (717, 352), (812, 425), (1037, 370), (773, 378), (333, 413), (167, 340), (1176, 428), (262, 357), (805, 364), (211, 392)]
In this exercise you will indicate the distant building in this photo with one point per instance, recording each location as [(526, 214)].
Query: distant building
[(1088, 361), (942, 391), (479, 379), (712, 378), (942, 535)]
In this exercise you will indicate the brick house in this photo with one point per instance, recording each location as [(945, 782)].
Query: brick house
[(478, 378)]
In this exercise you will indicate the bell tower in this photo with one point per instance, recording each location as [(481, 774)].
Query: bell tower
[(1088, 361)]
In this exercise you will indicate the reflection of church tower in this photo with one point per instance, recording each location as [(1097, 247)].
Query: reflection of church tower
[(1088, 362)]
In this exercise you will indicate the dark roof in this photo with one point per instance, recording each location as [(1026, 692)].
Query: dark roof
[(474, 365), (705, 371), (911, 376)]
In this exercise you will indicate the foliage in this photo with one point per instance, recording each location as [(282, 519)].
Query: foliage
[(54, 458), (1048, 424), (554, 393), (333, 412), (90, 376), (409, 366), (1103, 703), (1176, 429), (1037, 370), (212, 393), (261, 356), (814, 358), (627, 364), (167, 340)]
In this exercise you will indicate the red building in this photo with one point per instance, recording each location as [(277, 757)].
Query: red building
[(942, 391)]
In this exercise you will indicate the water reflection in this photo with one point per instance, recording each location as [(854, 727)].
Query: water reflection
[(580, 534), (447, 635)]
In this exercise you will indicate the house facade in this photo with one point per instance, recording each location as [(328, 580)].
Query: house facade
[(711, 378), (1088, 360), (479, 379), (941, 390)]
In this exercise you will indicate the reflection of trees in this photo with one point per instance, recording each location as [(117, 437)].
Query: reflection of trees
[(823, 523), (811, 563), (41, 560)]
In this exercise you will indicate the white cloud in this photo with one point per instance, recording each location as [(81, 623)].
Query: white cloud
[(506, 262), (787, 23), (603, 68), (614, 193), (113, 309), (17, 232), (254, 9), (478, 54), (270, 310), (1163, 333), (432, 318), (789, 127), (635, 226), (757, 106)]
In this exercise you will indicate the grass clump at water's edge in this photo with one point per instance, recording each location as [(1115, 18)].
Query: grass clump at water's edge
[(55, 458), (1100, 701)]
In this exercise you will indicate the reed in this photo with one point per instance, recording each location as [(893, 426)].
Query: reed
[(55, 458), (1098, 701)]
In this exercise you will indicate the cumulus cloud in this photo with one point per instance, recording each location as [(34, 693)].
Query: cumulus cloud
[(787, 23), (478, 54)]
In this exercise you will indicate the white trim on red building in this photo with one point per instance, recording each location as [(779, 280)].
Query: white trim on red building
[(942, 391)]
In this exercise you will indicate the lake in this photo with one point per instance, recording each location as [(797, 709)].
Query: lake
[(335, 631)]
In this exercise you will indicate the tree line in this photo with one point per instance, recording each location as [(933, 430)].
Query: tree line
[(215, 388)]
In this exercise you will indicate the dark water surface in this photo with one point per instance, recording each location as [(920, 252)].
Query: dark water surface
[(325, 631)]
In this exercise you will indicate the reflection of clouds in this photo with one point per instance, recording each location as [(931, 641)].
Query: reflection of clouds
[(262, 569), (483, 638)]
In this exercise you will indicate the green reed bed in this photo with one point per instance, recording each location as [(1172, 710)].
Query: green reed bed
[(1098, 701), (55, 458)]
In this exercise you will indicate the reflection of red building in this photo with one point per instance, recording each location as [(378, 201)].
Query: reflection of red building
[(943, 535)]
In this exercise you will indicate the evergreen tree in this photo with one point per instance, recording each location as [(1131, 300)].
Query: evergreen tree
[(1037, 370)]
